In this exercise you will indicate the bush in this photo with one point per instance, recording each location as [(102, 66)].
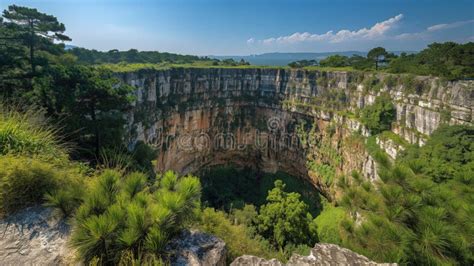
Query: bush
[(328, 223), (125, 215), (24, 181), (27, 133), (420, 211), (379, 116), (238, 237)]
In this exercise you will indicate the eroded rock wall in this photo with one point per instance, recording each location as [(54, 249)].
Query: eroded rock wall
[(199, 117)]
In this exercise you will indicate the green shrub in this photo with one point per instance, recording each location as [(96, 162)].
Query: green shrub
[(122, 214), (379, 116), (27, 133), (419, 212), (328, 222), (24, 181), (228, 187), (238, 237)]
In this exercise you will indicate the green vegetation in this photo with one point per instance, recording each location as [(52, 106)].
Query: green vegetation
[(126, 217), (280, 227), (303, 63), (133, 67), (334, 61), (419, 212), (28, 24), (285, 219), (448, 155), (239, 237), (228, 187), (328, 224), (379, 116), (132, 56), (448, 60), (27, 133), (379, 55), (32, 160), (122, 214), (24, 181)]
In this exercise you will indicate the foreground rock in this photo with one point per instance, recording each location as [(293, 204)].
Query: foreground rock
[(321, 254), (34, 236), (197, 249)]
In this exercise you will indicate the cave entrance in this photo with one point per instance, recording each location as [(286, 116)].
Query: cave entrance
[(230, 187)]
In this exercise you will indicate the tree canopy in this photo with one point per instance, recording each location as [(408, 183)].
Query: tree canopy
[(33, 28), (285, 219)]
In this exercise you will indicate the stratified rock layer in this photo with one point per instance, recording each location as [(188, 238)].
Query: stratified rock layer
[(201, 117), (321, 254)]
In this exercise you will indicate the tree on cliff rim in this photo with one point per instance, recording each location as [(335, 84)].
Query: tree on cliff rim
[(378, 55), (33, 28)]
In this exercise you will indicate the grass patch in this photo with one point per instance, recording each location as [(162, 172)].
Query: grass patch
[(328, 222), (27, 133)]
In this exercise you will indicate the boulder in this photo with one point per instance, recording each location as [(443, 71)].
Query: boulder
[(321, 254), (249, 260), (34, 236), (193, 248)]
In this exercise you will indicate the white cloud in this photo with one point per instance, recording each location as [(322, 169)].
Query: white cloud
[(251, 41), (430, 30), (377, 31), (449, 25)]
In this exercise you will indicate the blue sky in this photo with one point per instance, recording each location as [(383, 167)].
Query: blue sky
[(240, 27)]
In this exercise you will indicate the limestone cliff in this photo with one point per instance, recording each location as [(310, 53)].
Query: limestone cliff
[(298, 121)]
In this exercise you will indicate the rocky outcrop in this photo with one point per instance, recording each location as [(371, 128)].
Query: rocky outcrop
[(321, 254), (34, 237), (194, 248), (389, 146), (249, 260)]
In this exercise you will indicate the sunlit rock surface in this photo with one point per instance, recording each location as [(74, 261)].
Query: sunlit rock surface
[(34, 237), (193, 248), (321, 254)]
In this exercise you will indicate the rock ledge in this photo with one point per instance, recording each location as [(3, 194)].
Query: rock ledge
[(321, 254)]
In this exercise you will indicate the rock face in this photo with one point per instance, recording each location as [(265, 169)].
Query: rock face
[(197, 249), (321, 254), (279, 119), (249, 260), (34, 237)]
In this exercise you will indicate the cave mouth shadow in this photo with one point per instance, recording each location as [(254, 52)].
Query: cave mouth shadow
[(229, 187)]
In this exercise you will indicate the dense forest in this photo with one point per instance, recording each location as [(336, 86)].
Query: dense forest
[(61, 133), (449, 60)]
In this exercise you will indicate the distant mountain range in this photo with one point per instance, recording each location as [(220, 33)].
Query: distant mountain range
[(282, 59)]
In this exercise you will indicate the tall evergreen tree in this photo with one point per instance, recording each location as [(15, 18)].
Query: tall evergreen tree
[(33, 28)]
